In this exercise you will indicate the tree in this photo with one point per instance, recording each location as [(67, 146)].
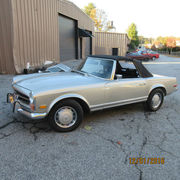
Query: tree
[(96, 16), (87, 9), (162, 40), (99, 17), (170, 43), (133, 35)]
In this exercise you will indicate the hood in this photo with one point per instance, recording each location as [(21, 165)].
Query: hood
[(50, 81)]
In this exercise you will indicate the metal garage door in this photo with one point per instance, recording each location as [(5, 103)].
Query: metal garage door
[(67, 31), (88, 45)]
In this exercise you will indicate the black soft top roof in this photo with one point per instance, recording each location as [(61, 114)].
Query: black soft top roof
[(118, 58), (138, 64)]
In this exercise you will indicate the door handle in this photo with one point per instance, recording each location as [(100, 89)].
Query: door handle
[(142, 84)]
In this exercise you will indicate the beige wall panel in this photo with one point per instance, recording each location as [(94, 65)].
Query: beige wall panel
[(107, 40), (36, 29), (6, 54)]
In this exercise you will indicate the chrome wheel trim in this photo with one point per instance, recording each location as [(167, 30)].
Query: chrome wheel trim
[(153, 58), (65, 117), (156, 100)]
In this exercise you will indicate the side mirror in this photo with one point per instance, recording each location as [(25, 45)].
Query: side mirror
[(118, 76)]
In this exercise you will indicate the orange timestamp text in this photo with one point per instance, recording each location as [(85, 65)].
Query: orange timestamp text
[(146, 160)]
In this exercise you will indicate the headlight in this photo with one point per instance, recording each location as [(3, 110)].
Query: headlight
[(31, 94), (32, 101)]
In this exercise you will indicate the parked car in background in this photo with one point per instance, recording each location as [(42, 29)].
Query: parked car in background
[(138, 56), (152, 54), (101, 82)]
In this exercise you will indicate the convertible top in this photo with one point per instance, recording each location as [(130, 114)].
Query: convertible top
[(117, 58), (138, 64)]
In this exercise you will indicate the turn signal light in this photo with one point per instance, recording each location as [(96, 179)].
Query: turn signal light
[(32, 106), (43, 107)]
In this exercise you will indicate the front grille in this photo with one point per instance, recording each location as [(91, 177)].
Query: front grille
[(22, 97)]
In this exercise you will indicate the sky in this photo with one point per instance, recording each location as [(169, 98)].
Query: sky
[(153, 17)]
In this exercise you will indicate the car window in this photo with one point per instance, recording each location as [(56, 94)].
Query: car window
[(126, 65), (54, 69), (99, 67), (126, 70)]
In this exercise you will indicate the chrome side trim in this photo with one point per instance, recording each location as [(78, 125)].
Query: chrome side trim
[(117, 103)]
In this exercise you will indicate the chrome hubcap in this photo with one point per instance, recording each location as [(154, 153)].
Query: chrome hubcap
[(156, 100), (65, 117)]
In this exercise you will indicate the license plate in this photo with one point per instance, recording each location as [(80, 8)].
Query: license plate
[(12, 99)]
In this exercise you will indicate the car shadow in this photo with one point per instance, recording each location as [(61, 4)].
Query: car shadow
[(42, 125)]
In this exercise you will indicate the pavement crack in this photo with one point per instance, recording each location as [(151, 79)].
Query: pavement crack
[(4, 135), (164, 138), (8, 123), (33, 128), (114, 143), (146, 115), (176, 129), (140, 172), (126, 157), (163, 150), (138, 128), (140, 155), (144, 143)]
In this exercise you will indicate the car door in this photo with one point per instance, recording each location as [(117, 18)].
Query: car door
[(124, 91)]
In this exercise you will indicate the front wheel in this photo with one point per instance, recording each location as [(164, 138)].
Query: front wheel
[(66, 116), (155, 100)]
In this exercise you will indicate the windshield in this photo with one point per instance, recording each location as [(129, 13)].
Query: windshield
[(54, 69), (58, 68), (98, 67)]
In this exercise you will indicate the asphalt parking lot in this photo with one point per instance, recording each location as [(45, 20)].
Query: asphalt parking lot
[(101, 147)]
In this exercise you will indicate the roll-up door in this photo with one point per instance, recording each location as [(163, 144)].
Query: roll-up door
[(67, 32)]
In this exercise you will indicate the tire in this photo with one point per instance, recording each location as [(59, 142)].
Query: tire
[(66, 116), (153, 58), (153, 97)]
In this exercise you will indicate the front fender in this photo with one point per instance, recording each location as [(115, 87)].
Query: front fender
[(60, 98)]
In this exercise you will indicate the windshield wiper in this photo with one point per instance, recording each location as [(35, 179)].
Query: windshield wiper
[(80, 72)]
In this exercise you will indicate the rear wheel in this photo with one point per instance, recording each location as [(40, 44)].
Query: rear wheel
[(155, 99), (66, 116)]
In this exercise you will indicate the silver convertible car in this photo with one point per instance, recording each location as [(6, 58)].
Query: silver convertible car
[(101, 82)]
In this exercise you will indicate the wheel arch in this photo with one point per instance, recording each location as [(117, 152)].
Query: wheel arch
[(80, 99), (158, 86)]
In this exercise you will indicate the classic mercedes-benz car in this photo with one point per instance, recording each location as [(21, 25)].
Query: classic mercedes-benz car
[(101, 82)]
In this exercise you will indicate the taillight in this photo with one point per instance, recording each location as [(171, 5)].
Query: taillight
[(175, 85)]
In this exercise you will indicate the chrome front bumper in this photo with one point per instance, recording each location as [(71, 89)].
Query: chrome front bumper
[(31, 115), (17, 108)]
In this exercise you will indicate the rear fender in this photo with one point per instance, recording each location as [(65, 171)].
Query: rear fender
[(156, 86)]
